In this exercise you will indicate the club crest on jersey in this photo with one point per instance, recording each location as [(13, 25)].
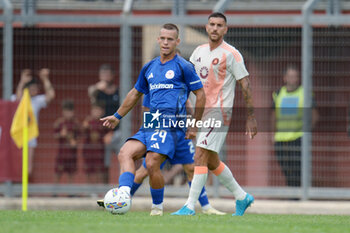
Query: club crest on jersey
[(215, 61), (204, 72), (170, 74)]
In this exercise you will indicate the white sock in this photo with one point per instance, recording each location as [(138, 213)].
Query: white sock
[(199, 178), (226, 178), (125, 189), (206, 207), (159, 206)]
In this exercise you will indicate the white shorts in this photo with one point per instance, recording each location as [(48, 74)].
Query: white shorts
[(212, 138)]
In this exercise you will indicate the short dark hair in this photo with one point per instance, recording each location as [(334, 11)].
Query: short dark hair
[(34, 81), (217, 15), (171, 26), (68, 104), (291, 67), (99, 104), (107, 67)]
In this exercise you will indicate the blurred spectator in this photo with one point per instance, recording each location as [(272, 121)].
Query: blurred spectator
[(349, 121), (39, 101), (66, 132), (287, 119), (105, 91), (94, 140)]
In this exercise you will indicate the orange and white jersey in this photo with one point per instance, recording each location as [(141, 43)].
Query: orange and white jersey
[(219, 70)]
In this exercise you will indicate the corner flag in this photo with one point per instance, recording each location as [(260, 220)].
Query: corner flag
[(24, 117), (24, 128)]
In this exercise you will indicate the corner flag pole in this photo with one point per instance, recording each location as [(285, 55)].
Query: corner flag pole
[(25, 161), (23, 128)]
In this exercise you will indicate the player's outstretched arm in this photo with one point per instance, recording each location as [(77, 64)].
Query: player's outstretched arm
[(129, 102), (198, 112), (251, 125)]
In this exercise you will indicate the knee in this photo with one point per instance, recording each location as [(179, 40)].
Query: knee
[(214, 162), (153, 164), (212, 167), (201, 157), (123, 155), (189, 170)]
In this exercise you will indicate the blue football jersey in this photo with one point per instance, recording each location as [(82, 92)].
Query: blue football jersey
[(168, 85), (146, 101)]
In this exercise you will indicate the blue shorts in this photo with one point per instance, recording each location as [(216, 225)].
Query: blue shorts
[(139, 136), (162, 141), (184, 153)]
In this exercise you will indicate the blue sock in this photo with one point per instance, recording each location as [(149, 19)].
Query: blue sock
[(203, 198), (126, 179), (157, 195), (134, 188)]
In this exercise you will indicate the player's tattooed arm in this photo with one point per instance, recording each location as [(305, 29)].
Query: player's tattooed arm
[(251, 125), (200, 103), (198, 113), (247, 94)]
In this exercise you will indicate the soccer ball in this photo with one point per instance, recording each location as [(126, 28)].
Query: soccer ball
[(117, 202)]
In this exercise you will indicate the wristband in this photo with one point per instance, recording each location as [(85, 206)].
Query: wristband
[(119, 117)]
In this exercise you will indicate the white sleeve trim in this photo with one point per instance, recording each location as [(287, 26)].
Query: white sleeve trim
[(195, 82)]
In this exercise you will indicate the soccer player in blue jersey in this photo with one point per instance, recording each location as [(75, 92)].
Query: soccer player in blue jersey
[(168, 79), (184, 155)]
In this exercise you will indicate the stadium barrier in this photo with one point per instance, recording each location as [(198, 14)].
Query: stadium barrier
[(73, 46)]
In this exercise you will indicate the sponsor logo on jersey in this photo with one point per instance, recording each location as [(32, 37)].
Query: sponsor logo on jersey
[(169, 74), (155, 145), (150, 76), (161, 86), (204, 72)]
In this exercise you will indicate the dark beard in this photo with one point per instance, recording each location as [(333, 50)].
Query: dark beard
[(215, 40)]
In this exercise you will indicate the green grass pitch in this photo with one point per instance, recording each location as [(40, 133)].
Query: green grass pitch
[(100, 221)]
